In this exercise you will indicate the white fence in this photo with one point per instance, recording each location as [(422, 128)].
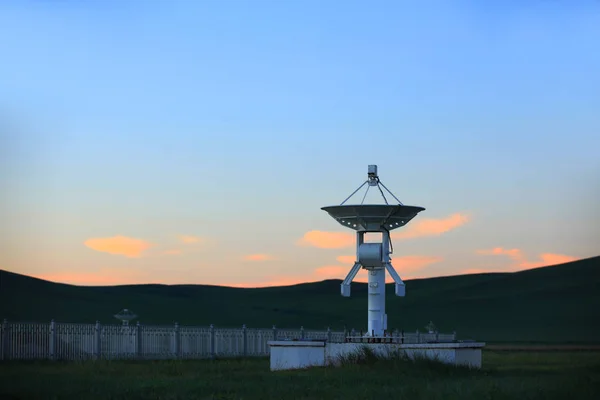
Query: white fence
[(69, 341)]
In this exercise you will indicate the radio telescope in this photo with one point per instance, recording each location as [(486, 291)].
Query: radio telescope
[(374, 257), (125, 316)]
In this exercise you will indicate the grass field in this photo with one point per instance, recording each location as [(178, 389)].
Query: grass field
[(505, 375), (557, 304)]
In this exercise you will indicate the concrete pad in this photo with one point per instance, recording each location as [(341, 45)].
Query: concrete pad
[(303, 354)]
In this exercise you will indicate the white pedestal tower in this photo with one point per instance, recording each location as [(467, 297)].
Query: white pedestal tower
[(374, 257)]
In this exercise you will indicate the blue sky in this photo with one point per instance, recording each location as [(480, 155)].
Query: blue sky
[(235, 121)]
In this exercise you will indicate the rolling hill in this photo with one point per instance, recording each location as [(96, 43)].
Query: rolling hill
[(555, 304)]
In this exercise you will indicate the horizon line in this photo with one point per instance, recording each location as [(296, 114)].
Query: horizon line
[(293, 284)]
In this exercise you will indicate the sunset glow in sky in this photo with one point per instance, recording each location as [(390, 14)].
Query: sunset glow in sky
[(196, 141)]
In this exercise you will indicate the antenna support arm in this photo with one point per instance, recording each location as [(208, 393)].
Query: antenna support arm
[(400, 286), (345, 286), (347, 198)]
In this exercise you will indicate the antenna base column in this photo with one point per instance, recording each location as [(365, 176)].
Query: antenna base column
[(377, 320)]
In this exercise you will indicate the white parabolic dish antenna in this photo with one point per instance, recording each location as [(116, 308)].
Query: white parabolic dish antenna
[(374, 257), (125, 316)]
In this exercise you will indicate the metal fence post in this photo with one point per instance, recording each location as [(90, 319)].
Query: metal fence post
[(245, 340), (274, 332), (437, 336), (302, 333), (177, 341), (98, 347), (138, 340), (418, 336), (329, 334), (5, 340), (52, 340), (454, 335), (212, 341)]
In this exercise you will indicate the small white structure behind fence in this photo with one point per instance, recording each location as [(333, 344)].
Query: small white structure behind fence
[(72, 341)]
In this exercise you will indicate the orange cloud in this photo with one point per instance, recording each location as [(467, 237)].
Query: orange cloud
[(340, 272), (474, 271), (258, 257), (520, 262), (172, 252), (408, 264), (548, 259), (425, 227), (271, 281), (322, 273), (403, 265), (119, 245), (430, 227), (332, 272), (188, 239), (346, 259), (513, 253), (328, 240), (101, 279)]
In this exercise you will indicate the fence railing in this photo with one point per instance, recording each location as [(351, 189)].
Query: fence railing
[(73, 341)]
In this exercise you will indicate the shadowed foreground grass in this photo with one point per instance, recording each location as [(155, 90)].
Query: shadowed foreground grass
[(505, 375)]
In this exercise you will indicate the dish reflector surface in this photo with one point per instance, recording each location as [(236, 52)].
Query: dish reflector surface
[(373, 217)]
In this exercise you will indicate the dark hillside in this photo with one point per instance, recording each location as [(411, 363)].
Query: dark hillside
[(551, 304)]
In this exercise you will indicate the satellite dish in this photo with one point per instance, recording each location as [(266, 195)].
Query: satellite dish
[(125, 316), (374, 257)]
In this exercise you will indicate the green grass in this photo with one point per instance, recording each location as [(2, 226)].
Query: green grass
[(557, 304), (505, 375)]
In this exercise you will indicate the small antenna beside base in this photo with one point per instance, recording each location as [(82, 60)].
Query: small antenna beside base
[(125, 316)]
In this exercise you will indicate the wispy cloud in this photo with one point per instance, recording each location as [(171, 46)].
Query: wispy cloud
[(415, 229), (258, 257), (172, 252), (474, 271), (515, 254), (189, 239), (520, 261), (102, 278), (407, 265), (119, 245), (547, 259), (404, 265), (270, 282), (193, 244), (331, 272), (430, 226), (327, 240), (346, 259)]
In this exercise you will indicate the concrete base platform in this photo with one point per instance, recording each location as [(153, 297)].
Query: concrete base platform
[(304, 354)]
